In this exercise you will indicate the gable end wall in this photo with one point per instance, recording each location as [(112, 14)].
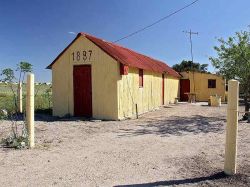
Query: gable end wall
[(105, 73)]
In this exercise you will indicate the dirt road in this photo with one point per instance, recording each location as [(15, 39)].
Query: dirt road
[(177, 145)]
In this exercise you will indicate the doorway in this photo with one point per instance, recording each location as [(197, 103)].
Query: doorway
[(184, 88), (82, 91)]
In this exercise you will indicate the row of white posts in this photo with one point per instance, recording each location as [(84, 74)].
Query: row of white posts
[(29, 107), (231, 128)]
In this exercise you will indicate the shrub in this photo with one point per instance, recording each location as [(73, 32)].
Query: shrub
[(16, 139)]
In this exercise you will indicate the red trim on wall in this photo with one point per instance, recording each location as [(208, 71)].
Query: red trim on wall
[(140, 78), (123, 69), (163, 87)]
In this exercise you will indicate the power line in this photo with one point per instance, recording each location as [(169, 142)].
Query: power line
[(156, 22)]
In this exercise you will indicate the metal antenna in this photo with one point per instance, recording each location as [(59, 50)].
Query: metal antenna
[(191, 43), (191, 48)]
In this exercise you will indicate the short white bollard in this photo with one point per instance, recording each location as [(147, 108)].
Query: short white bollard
[(232, 128), (30, 109), (20, 98)]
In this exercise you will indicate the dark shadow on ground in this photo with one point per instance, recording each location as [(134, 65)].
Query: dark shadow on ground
[(216, 176), (167, 107), (221, 177), (50, 118), (46, 115), (176, 125)]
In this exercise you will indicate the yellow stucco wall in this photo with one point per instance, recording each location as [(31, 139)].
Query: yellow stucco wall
[(201, 85), (148, 97), (172, 89), (105, 73)]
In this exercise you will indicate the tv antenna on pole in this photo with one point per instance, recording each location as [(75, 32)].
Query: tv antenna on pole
[(191, 49), (191, 43)]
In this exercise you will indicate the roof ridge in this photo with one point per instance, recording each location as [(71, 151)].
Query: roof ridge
[(125, 56), (124, 48)]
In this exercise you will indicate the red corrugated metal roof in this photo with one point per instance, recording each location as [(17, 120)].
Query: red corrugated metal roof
[(126, 56)]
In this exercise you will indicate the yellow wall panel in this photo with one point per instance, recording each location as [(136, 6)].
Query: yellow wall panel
[(201, 85), (172, 88), (148, 97)]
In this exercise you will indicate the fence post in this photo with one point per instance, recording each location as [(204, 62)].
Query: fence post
[(30, 109), (231, 128), (20, 98)]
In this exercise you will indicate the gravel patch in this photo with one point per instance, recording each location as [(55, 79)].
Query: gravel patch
[(178, 145)]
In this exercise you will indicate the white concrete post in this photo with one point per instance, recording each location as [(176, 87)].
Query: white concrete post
[(20, 98), (30, 109), (232, 128)]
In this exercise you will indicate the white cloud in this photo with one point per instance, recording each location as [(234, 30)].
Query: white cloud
[(70, 32)]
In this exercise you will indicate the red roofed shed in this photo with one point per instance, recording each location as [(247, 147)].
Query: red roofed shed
[(95, 78)]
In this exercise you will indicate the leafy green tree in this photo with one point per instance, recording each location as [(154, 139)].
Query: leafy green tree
[(8, 76), (190, 66), (23, 68), (233, 61)]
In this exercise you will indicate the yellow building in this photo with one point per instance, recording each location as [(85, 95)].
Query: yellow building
[(203, 85), (95, 78)]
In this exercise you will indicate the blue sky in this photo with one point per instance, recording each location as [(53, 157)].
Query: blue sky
[(37, 30)]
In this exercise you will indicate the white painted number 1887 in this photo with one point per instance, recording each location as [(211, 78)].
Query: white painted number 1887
[(82, 55)]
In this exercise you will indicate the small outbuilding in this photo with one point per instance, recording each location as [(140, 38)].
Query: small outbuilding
[(95, 78), (203, 85)]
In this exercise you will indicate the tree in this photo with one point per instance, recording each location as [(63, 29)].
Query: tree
[(23, 68), (190, 66), (9, 77), (15, 140), (233, 61)]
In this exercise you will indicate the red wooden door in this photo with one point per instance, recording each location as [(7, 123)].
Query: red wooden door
[(82, 91), (163, 89), (184, 88)]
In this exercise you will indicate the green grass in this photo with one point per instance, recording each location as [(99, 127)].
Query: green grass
[(42, 97)]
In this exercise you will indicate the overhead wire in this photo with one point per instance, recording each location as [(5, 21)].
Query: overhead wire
[(156, 22)]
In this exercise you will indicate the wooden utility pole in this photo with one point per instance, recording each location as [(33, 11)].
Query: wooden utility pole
[(191, 48)]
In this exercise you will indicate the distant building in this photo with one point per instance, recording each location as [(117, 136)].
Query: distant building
[(95, 78), (202, 84)]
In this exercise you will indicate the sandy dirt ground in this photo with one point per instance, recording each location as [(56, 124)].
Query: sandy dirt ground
[(178, 145)]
